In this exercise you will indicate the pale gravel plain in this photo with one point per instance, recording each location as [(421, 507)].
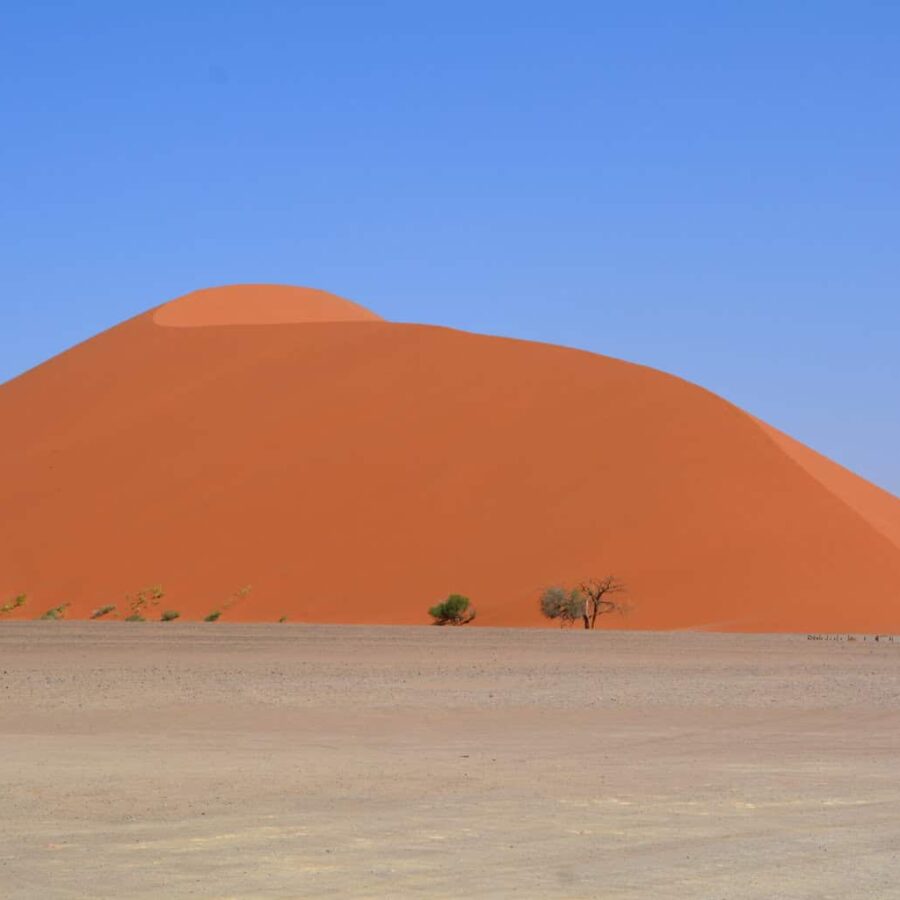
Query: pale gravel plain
[(217, 760)]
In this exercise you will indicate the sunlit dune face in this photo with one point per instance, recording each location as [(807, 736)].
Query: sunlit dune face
[(259, 304), (359, 471)]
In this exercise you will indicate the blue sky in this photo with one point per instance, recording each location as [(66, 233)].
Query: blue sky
[(709, 188)]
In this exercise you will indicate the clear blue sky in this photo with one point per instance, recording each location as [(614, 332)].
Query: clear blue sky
[(710, 188)]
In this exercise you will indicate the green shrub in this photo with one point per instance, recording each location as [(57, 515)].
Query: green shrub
[(213, 616), (558, 603), (14, 604), (56, 612), (103, 611), (169, 615), (135, 617), (283, 619), (453, 611)]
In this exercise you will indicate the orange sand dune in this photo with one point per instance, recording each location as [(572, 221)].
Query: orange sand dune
[(879, 508), (355, 470), (271, 304)]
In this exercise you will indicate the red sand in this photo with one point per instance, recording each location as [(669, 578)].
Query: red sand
[(357, 471), (272, 304)]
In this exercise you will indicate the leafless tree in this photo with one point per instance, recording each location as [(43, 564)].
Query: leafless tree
[(598, 596)]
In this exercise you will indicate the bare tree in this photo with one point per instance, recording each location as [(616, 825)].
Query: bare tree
[(589, 600), (598, 598)]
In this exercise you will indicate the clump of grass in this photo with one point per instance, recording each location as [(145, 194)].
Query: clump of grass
[(16, 603), (169, 615), (150, 596), (237, 596), (55, 612), (283, 619), (103, 611), (135, 617), (213, 616)]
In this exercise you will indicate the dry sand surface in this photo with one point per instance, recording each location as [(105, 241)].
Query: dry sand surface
[(190, 760)]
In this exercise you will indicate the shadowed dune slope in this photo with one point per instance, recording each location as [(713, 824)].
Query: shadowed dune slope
[(877, 506), (357, 471)]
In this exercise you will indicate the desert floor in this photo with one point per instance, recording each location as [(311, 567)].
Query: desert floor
[(215, 760)]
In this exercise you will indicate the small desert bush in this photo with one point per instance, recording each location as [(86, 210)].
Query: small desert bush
[(135, 617), (453, 611), (14, 604), (558, 603), (103, 611), (150, 596), (56, 612), (282, 619), (169, 615), (213, 616)]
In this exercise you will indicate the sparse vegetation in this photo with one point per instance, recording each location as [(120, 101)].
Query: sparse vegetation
[(169, 615), (213, 616), (282, 619), (455, 610), (16, 603), (559, 603), (138, 603), (102, 611), (588, 601), (55, 612), (237, 596), (878, 638)]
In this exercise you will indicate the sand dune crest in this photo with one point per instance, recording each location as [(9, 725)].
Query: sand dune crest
[(259, 304)]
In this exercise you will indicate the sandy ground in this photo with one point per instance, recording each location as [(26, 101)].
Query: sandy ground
[(192, 760)]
